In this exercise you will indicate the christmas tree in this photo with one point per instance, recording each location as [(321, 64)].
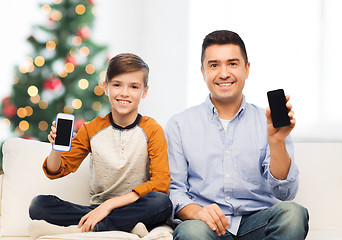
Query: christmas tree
[(63, 74)]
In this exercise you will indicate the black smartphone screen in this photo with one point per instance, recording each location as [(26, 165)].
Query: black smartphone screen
[(279, 111), (64, 127)]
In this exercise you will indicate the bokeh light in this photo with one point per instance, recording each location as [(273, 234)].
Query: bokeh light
[(39, 61), (76, 103), (83, 84), (43, 125), (80, 9), (32, 91), (90, 69), (24, 125)]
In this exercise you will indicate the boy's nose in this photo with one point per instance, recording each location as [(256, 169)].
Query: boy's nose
[(124, 91)]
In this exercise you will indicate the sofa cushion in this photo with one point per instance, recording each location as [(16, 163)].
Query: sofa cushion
[(24, 178), (320, 185), (159, 233)]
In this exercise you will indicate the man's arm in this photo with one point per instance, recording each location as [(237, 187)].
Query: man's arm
[(280, 160), (212, 215), (184, 207)]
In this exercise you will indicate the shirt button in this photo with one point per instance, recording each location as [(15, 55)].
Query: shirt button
[(227, 175), (227, 198), (220, 127), (226, 151), (237, 213)]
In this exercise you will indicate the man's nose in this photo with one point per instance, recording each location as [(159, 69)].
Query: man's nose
[(224, 72)]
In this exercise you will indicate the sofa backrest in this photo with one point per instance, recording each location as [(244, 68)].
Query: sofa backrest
[(320, 184), (320, 188), (24, 178)]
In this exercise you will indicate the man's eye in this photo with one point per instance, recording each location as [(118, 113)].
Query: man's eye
[(116, 85), (213, 65), (233, 64)]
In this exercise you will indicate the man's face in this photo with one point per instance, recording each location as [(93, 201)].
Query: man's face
[(224, 71)]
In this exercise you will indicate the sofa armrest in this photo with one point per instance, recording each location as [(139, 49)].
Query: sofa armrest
[(24, 178), (0, 196)]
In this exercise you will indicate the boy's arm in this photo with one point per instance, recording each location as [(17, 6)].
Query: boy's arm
[(53, 162), (59, 164), (88, 221), (159, 164)]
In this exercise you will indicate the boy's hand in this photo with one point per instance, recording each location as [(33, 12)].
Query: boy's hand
[(88, 221), (276, 135), (53, 132)]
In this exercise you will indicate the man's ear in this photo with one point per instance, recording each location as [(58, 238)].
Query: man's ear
[(203, 74), (105, 87), (247, 69), (145, 92)]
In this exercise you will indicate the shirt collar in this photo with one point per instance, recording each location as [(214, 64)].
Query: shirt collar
[(136, 122), (213, 111)]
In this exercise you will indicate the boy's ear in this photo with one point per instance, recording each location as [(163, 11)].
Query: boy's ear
[(145, 92), (105, 88)]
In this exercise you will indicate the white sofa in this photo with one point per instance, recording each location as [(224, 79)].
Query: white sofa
[(320, 190), (23, 179)]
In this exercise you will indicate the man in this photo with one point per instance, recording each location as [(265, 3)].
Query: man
[(228, 164)]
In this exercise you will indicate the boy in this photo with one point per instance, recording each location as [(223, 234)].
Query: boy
[(129, 177)]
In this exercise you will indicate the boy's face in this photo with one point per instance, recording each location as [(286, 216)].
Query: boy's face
[(125, 92), (224, 71)]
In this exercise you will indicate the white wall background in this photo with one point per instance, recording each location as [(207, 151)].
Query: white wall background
[(293, 44)]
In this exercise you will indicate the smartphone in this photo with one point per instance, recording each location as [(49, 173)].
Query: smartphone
[(279, 111), (65, 128)]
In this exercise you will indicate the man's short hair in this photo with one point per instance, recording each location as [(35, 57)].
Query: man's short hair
[(126, 63), (222, 37)]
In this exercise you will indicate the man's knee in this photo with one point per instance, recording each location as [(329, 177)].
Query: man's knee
[(294, 218), (294, 212), (192, 230)]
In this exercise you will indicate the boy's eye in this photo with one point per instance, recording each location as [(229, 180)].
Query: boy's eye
[(135, 87)]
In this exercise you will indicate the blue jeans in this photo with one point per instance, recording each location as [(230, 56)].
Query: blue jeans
[(285, 220), (153, 209)]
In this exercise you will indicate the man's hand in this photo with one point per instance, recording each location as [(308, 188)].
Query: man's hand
[(88, 221), (212, 215), (276, 135), (280, 159)]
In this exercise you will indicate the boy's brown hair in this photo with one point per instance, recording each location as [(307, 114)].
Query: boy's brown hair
[(126, 63)]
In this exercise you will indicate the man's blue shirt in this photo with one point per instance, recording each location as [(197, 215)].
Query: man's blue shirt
[(230, 168)]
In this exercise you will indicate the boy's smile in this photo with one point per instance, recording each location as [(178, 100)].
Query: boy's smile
[(125, 92), (123, 101)]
